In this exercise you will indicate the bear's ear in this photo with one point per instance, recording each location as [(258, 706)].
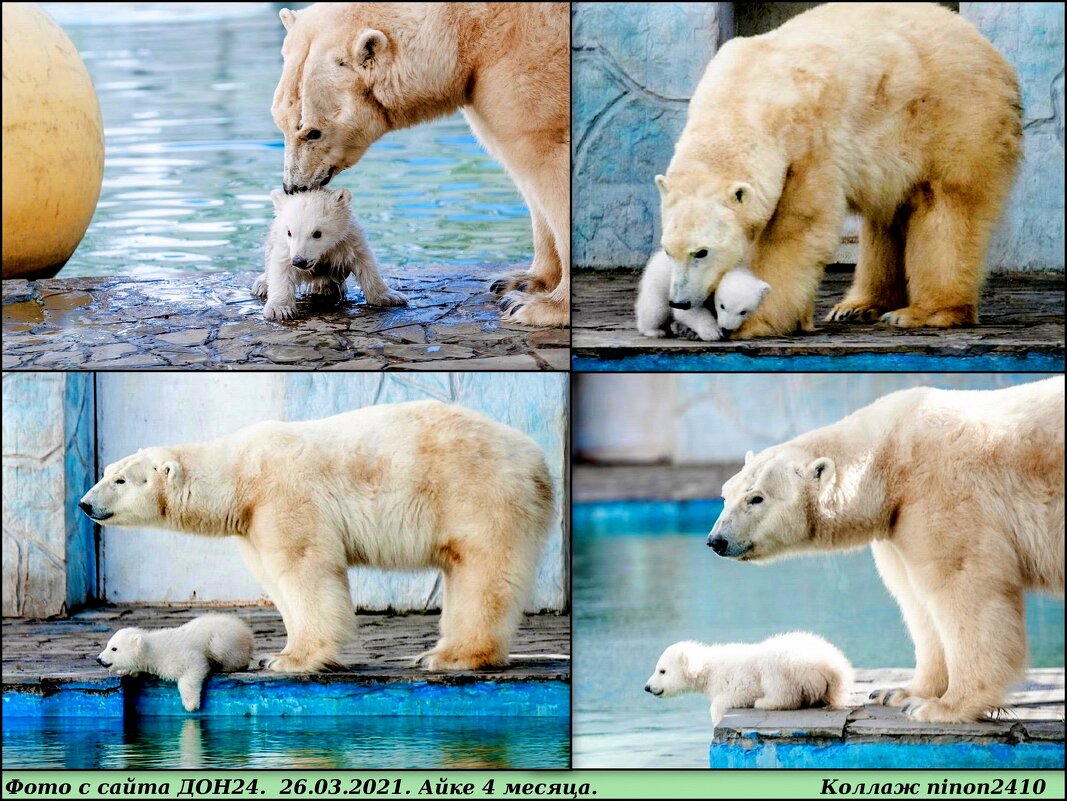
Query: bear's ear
[(136, 640), (288, 17), (342, 197), (764, 289), (739, 193), (277, 197), (822, 470), (371, 49), (748, 457), (661, 184), (172, 471)]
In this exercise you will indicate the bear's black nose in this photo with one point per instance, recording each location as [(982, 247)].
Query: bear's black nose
[(683, 305), (300, 262), (102, 662), (648, 688), (718, 544), (86, 507)]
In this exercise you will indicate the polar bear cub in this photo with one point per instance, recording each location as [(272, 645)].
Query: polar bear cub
[(738, 295), (185, 654), (787, 671), (314, 243)]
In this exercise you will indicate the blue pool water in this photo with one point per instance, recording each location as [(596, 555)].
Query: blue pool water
[(286, 742), (644, 578), (192, 153)]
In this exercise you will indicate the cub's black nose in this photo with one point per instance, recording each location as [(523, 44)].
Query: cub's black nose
[(102, 662), (299, 262), (718, 544), (86, 507), (648, 688), (683, 305)]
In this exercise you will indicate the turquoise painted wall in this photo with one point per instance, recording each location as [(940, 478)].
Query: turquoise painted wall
[(635, 66)]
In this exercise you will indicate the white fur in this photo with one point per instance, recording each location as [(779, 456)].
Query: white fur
[(786, 671), (339, 249), (738, 295), (185, 654)]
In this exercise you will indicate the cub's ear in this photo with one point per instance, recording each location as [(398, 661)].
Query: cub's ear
[(172, 471), (277, 197), (764, 289), (136, 640), (822, 470), (739, 193), (288, 17), (371, 49), (342, 197), (661, 184), (748, 457)]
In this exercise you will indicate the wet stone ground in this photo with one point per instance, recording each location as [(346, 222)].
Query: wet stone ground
[(212, 321), (65, 650), (1021, 314)]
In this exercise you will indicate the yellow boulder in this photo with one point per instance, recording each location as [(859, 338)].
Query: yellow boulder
[(53, 144)]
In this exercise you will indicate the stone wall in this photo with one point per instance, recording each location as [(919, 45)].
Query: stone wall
[(635, 66), (49, 561)]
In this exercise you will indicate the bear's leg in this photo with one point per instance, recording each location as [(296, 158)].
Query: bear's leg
[(984, 635), (544, 273), (793, 249), (190, 684), (944, 253), (549, 188), (319, 619), (780, 695), (259, 286), (255, 566), (931, 673), (878, 284)]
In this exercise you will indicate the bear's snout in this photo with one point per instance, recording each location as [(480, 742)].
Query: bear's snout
[(718, 543), (300, 262), (102, 662), (86, 507), (650, 690)]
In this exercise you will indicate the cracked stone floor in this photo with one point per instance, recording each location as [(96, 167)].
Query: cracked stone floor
[(211, 321), (1022, 320)]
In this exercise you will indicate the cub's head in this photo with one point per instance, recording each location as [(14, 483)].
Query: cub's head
[(738, 295), (707, 230), (134, 490), (770, 504), (675, 671), (124, 652), (313, 223)]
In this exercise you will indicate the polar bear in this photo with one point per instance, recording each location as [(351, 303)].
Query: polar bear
[(901, 112), (960, 496), (316, 242), (354, 71), (738, 295), (399, 486), (787, 671), (185, 654)]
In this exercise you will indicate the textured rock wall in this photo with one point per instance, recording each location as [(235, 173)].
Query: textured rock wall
[(635, 66), (49, 562)]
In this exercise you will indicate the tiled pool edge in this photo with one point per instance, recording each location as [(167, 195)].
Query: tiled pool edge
[(463, 695)]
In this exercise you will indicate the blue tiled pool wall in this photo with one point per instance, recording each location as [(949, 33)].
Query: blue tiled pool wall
[(853, 363)]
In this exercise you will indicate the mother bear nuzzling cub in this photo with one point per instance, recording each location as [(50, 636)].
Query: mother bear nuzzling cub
[(900, 112), (398, 486)]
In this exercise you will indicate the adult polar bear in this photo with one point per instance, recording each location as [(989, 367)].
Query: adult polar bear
[(960, 496), (902, 112), (399, 486), (354, 71)]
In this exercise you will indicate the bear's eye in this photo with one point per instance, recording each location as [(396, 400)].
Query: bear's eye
[(313, 134), (755, 499), (317, 235), (120, 481), (663, 670), (722, 307), (113, 648), (701, 254), (740, 193), (288, 233), (744, 312)]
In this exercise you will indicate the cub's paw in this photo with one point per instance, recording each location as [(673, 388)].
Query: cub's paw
[(387, 298), (259, 287), (853, 311), (654, 333), (278, 312), (889, 696)]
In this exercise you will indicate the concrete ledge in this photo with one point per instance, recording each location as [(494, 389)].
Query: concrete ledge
[(1021, 329), (49, 671), (1027, 733), (208, 321)]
